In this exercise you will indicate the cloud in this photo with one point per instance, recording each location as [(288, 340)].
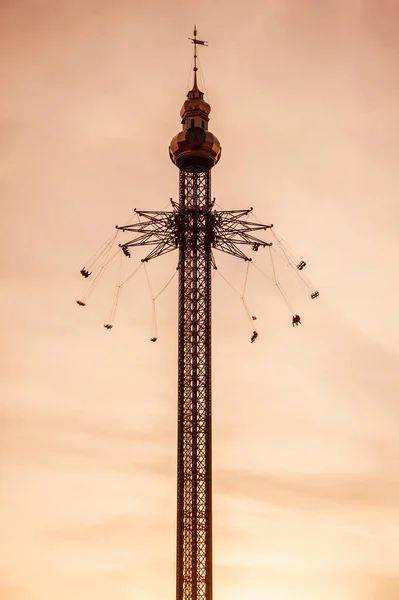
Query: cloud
[(315, 492), (379, 586)]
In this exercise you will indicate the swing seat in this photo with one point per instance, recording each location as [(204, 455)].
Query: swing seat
[(80, 303), (314, 295), (301, 265), (108, 326)]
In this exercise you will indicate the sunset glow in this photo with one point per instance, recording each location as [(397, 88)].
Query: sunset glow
[(305, 98)]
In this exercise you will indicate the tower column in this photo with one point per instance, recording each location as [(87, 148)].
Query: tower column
[(194, 518)]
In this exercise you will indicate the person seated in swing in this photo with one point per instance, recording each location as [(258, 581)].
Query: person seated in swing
[(153, 339), (254, 336), (296, 320), (126, 251)]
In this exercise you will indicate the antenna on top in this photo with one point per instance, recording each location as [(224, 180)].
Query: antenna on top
[(195, 41)]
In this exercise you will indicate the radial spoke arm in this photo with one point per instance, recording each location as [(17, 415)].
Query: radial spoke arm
[(159, 229), (231, 249), (230, 230), (163, 230), (244, 238), (158, 251)]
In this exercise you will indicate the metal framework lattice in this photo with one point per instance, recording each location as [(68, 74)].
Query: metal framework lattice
[(195, 228), (194, 525)]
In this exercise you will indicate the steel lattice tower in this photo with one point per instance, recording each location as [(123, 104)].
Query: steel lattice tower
[(195, 228)]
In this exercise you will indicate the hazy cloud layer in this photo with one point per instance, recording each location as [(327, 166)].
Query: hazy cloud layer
[(305, 102)]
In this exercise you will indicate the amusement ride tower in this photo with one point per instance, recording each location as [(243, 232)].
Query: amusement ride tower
[(195, 229)]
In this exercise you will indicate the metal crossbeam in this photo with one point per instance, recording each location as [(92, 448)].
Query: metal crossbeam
[(225, 230)]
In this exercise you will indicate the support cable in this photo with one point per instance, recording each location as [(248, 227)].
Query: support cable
[(293, 262), (255, 266), (154, 324), (250, 317), (285, 248), (117, 293), (298, 274), (103, 250), (228, 283), (189, 75), (154, 305), (132, 274), (203, 79), (277, 284), (245, 280), (97, 277), (240, 295), (273, 268), (148, 281), (133, 216), (165, 286)]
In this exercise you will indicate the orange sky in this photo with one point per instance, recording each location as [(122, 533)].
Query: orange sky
[(305, 98)]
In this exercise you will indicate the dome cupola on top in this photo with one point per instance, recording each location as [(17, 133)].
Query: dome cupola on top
[(195, 145)]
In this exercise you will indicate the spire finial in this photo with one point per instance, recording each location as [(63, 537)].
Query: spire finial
[(196, 42)]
